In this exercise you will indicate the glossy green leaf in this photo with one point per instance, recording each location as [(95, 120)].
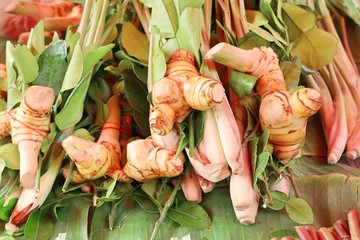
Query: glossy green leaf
[(9, 153), (263, 141), (278, 200), (74, 71), (52, 66), (252, 40), (36, 42), (183, 4), (92, 57), (275, 20), (145, 203), (297, 20), (136, 93), (291, 71), (315, 48), (158, 58), (73, 109), (164, 17), (188, 34), (262, 161), (190, 215), (14, 95), (26, 63), (299, 211), (135, 43), (32, 226), (150, 188), (5, 211)]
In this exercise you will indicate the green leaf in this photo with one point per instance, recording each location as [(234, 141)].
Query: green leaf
[(145, 203), (188, 34), (315, 48), (291, 71), (297, 19), (164, 17), (135, 43), (183, 4), (26, 63), (52, 66), (74, 71), (35, 220), (67, 117), (150, 188), (256, 18), (136, 93), (190, 215), (158, 58), (262, 161), (93, 57), (263, 141), (36, 42), (5, 211), (278, 200), (252, 40), (350, 8), (299, 211), (9, 154), (283, 233)]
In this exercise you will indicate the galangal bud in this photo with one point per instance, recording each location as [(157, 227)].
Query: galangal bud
[(182, 89), (28, 125), (146, 161), (97, 159), (283, 115)]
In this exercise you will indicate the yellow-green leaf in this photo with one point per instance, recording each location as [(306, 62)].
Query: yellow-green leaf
[(135, 43), (297, 20), (315, 48), (256, 18)]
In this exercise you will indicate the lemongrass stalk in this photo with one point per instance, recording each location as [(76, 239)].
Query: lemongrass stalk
[(326, 234), (302, 232), (84, 21), (145, 21), (100, 26), (96, 12), (112, 22), (237, 19)]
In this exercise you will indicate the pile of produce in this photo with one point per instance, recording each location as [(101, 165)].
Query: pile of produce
[(184, 119)]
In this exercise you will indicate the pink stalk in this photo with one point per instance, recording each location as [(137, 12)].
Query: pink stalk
[(209, 160), (327, 234), (354, 224), (342, 229), (191, 187), (333, 117), (303, 233)]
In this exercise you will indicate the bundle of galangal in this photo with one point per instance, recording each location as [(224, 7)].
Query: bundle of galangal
[(190, 93)]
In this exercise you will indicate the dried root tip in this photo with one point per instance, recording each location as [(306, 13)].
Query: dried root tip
[(202, 93), (5, 127), (38, 99), (161, 119)]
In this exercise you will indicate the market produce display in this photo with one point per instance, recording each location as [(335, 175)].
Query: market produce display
[(185, 119)]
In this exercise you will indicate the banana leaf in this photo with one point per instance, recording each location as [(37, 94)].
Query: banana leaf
[(316, 180)]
